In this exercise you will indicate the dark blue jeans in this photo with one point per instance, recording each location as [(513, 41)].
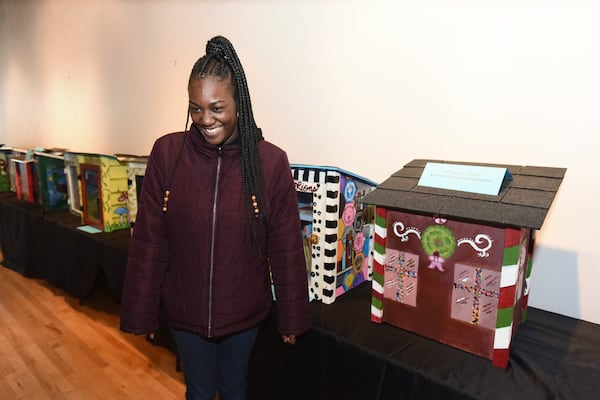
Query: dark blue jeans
[(211, 365)]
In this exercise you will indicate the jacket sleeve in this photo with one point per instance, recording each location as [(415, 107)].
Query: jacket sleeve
[(147, 259), (286, 253)]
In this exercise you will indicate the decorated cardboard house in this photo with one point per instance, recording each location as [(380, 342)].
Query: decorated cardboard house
[(136, 170), (97, 183), (51, 180), (23, 168), (7, 154), (454, 265), (337, 228), (6, 183), (73, 183)]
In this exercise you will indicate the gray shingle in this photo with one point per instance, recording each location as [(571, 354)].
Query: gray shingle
[(523, 201)]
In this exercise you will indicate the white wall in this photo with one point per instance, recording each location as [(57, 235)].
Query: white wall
[(362, 85)]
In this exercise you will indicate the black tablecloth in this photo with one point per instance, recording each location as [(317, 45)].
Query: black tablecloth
[(345, 356), (49, 246)]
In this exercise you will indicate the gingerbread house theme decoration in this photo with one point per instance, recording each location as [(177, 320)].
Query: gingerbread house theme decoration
[(337, 228), (453, 265), (98, 184)]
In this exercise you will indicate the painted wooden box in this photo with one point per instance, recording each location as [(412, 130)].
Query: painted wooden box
[(5, 178), (455, 266), (337, 228), (8, 175), (23, 165), (136, 170), (73, 183), (98, 184), (51, 180)]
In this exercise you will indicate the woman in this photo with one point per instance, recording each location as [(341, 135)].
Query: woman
[(218, 216)]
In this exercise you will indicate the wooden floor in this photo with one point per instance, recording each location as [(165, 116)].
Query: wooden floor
[(51, 347)]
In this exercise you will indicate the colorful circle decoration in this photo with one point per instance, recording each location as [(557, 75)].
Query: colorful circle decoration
[(358, 221), (348, 214), (349, 191), (349, 280), (357, 264), (438, 239), (359, 242)]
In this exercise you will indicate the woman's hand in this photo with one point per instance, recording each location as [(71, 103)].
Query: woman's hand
[(148, 336), (289, 339)]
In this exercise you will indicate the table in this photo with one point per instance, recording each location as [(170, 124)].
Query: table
[(49, 246), (345, 355)]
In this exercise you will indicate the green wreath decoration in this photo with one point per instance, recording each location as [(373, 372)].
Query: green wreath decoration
[(438, 238)]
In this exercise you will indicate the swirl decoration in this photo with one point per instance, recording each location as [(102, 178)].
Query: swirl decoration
[(482, 250), (399, 227)]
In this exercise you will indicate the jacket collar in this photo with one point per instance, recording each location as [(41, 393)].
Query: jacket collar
[(229, 150)]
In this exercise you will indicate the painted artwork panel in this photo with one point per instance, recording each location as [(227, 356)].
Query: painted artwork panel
[(355, 235), (73, 184), (92, 196), (135, 180), (311, 191), (57, 186), (305, 207), (337, 229), (475, 295), (4, 171), (459, 266), (53, 183), (523, 262), (401, 273), (114, 191), (25, 178)]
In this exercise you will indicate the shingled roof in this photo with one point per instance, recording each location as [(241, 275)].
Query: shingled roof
[(523, 201)]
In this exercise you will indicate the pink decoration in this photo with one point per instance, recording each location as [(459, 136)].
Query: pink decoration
[(349, 214), (436, 262)]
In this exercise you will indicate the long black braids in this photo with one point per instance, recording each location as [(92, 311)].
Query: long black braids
[(222, 61)]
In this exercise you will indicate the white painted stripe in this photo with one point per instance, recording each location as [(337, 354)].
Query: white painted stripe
[(376, 312), (502, 337), (377, 287), (509, 275), (380, 231)]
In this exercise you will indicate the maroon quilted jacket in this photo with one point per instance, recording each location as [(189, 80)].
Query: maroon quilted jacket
[(198, 266)]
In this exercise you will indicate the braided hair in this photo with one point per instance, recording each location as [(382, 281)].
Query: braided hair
[(222, 61)]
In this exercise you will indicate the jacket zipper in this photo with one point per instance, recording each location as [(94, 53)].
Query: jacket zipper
[(212, 241)]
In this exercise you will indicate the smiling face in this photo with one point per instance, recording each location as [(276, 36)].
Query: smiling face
[(213, 109)]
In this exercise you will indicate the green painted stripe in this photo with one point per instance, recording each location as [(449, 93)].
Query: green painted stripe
[(376, 303), (379, 248), (377, 277), (511, 255), (380, 221), (505, 317)]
